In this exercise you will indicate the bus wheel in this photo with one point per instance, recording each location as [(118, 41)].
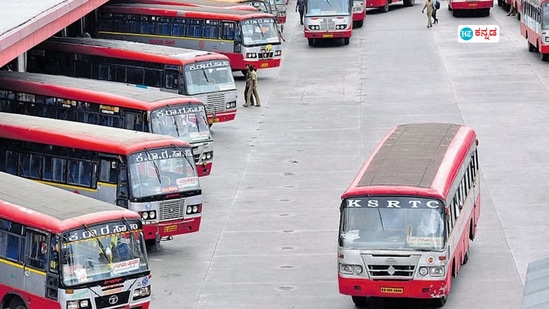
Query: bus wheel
[(311, 42), (358, 23), (385, 8), (466, 257), (346, 41), (17, 303), (440, 302), (543, 57), (531, 47), (244, 72), (359, 301)]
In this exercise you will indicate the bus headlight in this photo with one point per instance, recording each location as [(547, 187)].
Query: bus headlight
[(314, 27), (423, 271), (341, 27), (350, 269), (207, 156), (78, 304), (141, 292), (152, 214), (194, 209), (437, 271), (145, 215), (251, 55)]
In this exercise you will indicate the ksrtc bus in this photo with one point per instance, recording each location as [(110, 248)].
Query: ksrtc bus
[(457, 6), (257, 5), (384, 4), (408, 216), (359, 13), (151, 174), (59, 250), (204, 75), (325, 19), (243, 36), (110, 104), (534, 26)]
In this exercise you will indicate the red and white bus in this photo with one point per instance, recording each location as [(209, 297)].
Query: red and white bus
[(328, 20), (408, 216), (459, 6), (59, 250), (110, 104), (384, 4), (204, 75), (151, 174), (243, 36), (534, 26), (359, 13)]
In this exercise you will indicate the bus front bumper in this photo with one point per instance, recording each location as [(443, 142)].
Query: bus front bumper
[(471, 5), (328, 35), (422, 289)]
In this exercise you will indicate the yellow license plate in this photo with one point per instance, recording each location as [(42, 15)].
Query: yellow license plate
[(264, 65), (170, 228), (473, 4), (327, 36), (392, 290)]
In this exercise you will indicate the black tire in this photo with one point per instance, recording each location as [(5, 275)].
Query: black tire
[(359, 301), (346, 41), (17, 303), (440, 302), (409, 2), (531, 47), (543, 57), (486, 12), (311, 42), (500, 2), (466, 257), (385, 8), (358, 23)]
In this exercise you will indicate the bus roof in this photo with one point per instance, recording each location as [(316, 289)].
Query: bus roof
[(183, 11), (129, 50), (231, 4), (415, 159), (90, 90), (55, 210), (81, 135)]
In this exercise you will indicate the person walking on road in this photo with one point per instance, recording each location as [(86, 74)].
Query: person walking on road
[(248, 82), (300, 6), (429, 6), (436, 6), (253, 88)]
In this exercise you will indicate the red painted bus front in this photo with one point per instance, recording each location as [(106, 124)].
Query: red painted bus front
[(171, 228), (470, 5), (329, 34), (376, 3)]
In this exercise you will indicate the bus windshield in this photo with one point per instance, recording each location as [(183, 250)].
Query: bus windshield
[(327, 7), (403, 228), (259, 31), (87, 258), (208, 76), (186, 122), (545, 16), (161, 171)]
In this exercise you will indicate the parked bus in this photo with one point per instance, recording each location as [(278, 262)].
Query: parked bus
[(359, 13), (408, 215), (384, 4), (458, 6), (204, 75), (256, 5), (534, 26), (243, 36), (151, 174), (325, 19), (110, 104), (62, 250)]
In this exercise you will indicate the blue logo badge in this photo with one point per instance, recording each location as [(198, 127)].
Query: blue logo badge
[(466, 33)]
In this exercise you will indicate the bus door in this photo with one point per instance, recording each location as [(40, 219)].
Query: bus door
[(107, 179), (36, 259), (10, 249), (122, 192)]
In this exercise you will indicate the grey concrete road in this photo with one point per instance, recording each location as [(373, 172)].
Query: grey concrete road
[(268, 238)]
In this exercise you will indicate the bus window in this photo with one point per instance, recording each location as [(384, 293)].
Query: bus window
[(38, 249)]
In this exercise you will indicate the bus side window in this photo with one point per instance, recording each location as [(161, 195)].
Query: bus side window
[(228, 31), (37, 253), (9, 162)]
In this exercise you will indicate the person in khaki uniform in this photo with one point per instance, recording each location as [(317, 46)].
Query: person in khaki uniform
[(429, 6), (253, 88)]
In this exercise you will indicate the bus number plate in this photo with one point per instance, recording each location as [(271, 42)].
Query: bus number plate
[(327, 36), (392, 290), (264, 65), (170, 228)]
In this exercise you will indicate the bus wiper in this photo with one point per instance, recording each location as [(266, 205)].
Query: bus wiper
[(205, 76), (157, 171), (381, 220), (329, 3), (99, 244), (174, 121), (184, 155)]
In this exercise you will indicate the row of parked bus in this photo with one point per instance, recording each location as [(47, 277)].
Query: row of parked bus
[(80, 119)]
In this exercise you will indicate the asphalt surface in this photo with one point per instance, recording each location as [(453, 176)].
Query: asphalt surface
[(269, 233)]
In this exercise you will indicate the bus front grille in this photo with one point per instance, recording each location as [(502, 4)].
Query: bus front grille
[(171, 209), (391, 266), (266, 55), (215, 102), (326, 24), (112, 300), (391, 272)]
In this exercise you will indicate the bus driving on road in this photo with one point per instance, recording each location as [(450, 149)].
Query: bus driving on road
[(61, 250), (204, 75), (328, 19), (153, 175), (110, 104), (243, 36), (408, 216), (534, 26)]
